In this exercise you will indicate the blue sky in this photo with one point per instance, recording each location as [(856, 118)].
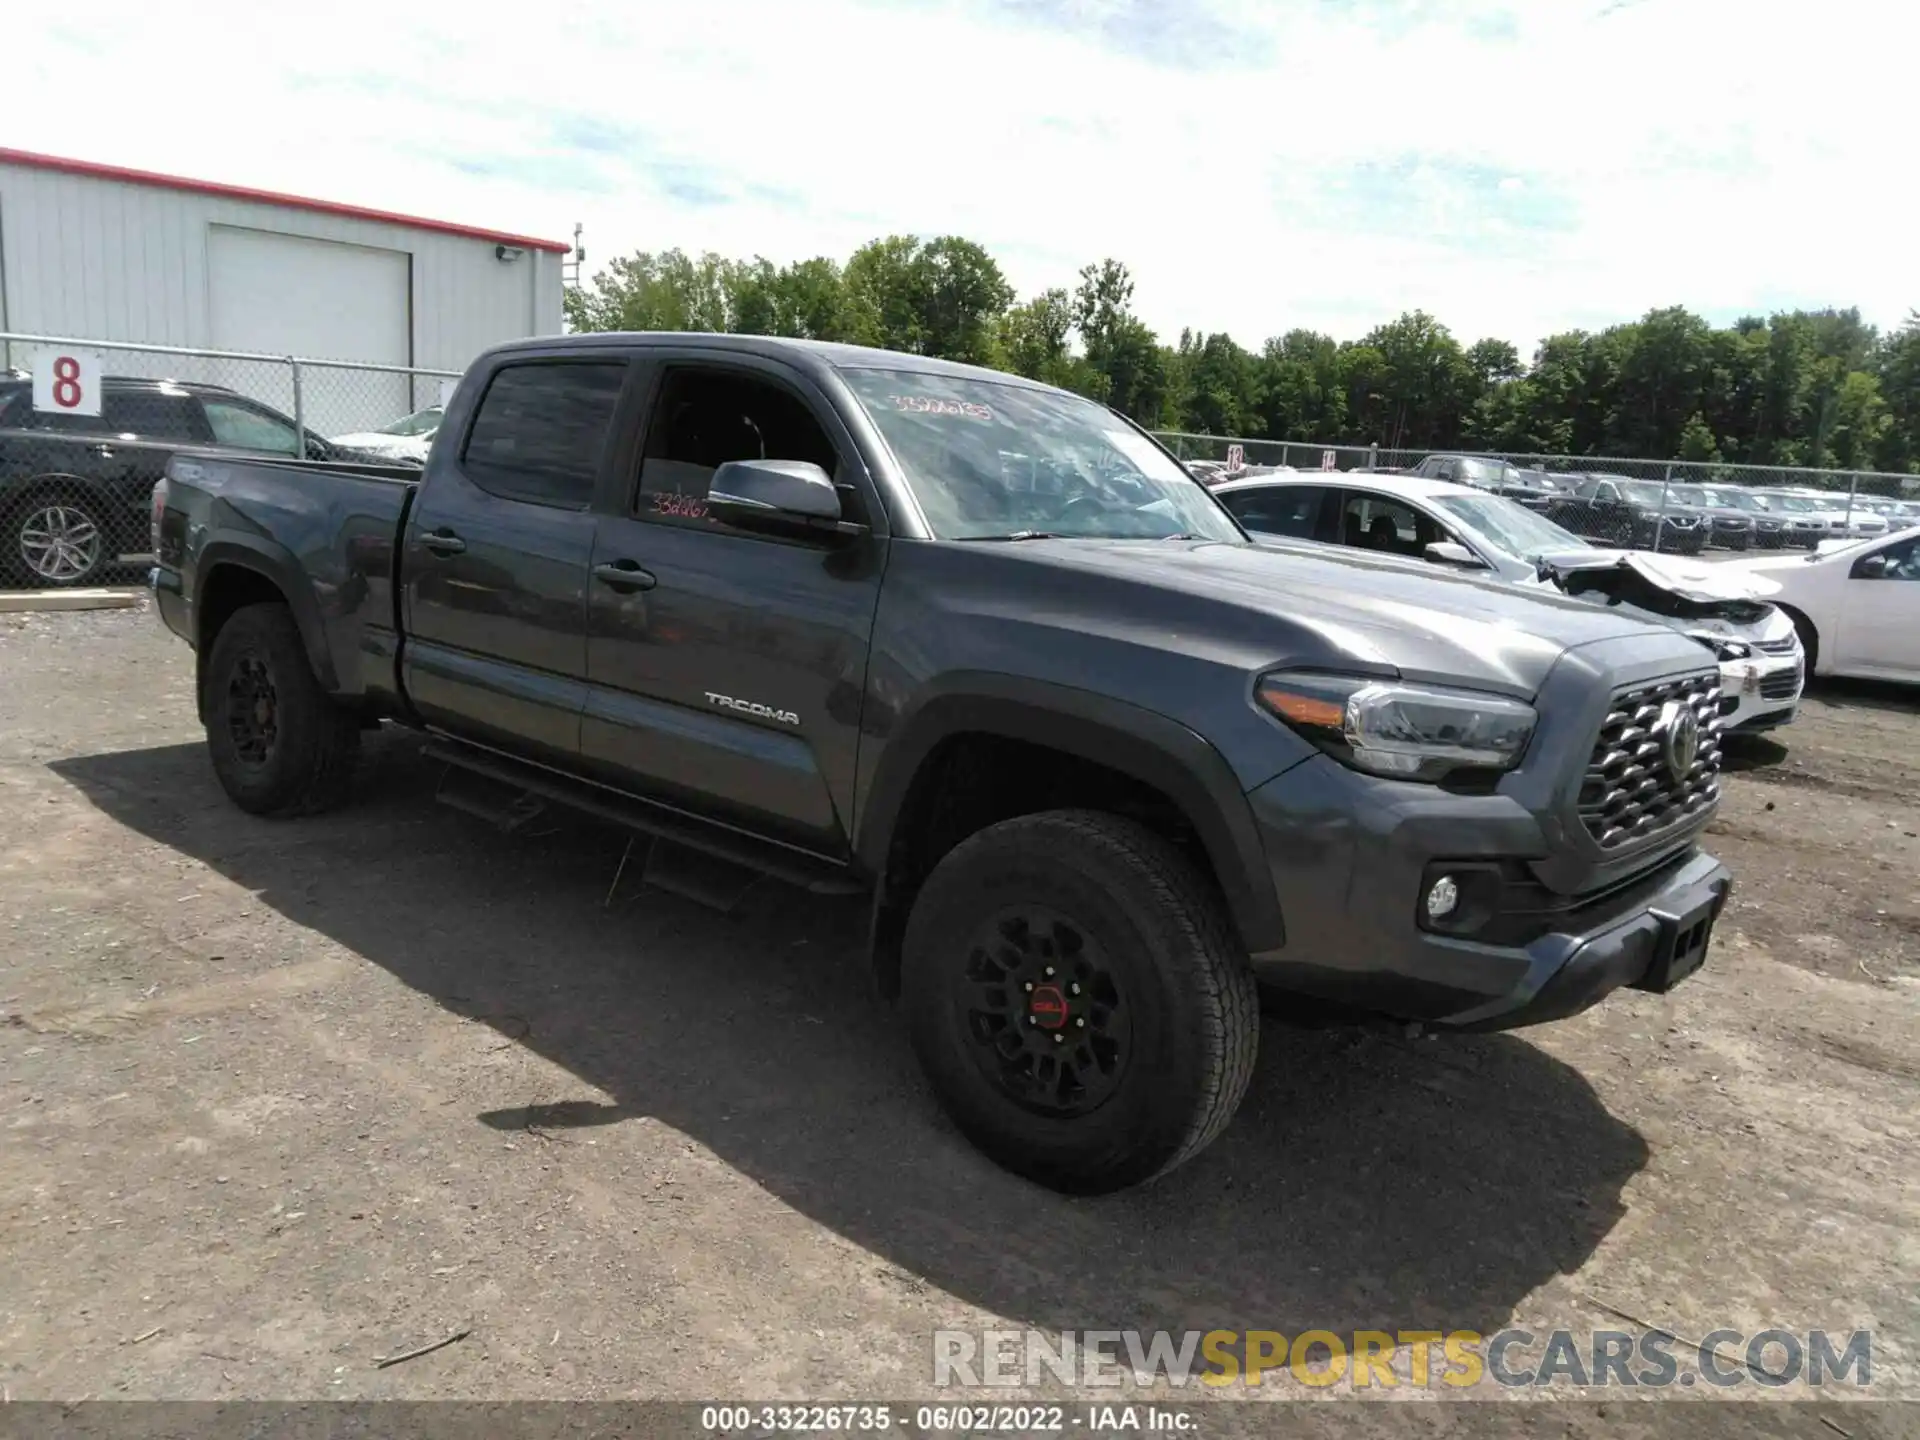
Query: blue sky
[(1515, 168)]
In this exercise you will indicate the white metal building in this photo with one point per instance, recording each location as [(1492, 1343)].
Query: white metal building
[(107, 254)]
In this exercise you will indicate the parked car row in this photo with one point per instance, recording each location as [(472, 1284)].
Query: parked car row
[(1681, 516), (75, 490)]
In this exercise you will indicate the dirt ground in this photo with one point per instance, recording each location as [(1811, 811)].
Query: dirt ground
[(278, 1100)]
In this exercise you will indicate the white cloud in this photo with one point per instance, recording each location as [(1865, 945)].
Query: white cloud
[(1514, 170)]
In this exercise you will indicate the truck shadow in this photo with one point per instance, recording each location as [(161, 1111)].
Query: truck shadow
[(1369, 1181)]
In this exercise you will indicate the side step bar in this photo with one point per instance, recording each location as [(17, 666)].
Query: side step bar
[(819, 876)]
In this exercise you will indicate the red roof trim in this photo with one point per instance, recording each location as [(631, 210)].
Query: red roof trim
[(268, 197)]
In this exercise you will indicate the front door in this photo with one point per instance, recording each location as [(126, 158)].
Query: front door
[(1880, 622), (495, 559), (726, 669)]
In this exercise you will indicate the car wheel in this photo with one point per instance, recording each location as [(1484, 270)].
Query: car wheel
[(280, 744), (58, 538), (1079, 999)]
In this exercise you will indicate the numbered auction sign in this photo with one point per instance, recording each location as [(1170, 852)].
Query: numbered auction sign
[(66, 382), (1329, 460)]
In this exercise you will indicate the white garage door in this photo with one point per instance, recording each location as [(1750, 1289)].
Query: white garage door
[(287, 295)]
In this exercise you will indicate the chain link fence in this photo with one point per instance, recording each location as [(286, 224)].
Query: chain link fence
[(1668, 505), (77, 471)]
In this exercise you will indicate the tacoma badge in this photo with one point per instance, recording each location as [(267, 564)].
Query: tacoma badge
[(747, 707)]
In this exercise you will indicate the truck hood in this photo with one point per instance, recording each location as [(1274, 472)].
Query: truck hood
[(1278, 602)]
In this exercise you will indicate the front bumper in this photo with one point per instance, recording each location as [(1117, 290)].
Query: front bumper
[(1350, 854), (1762, 693)]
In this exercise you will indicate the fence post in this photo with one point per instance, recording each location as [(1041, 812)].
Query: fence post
[(1660, 522), (299, 412), (1853, 486), (1373, 456)]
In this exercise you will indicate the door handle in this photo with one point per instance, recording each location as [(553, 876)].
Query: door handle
[(443, 542), (105, 452), (624, 575)]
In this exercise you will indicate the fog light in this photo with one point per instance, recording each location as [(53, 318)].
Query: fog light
[(1443, 898)]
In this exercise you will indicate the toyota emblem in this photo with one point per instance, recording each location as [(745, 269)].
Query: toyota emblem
[(1679, 731)]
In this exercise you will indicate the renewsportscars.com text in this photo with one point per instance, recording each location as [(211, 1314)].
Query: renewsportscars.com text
[(1363, 1360)]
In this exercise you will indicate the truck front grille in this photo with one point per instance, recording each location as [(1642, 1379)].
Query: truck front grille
[(1631, 791)]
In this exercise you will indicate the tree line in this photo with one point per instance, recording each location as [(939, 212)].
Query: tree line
[(1816, 388)]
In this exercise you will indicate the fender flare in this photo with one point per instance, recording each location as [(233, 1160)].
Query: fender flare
[(273, 562), (1142, 744)]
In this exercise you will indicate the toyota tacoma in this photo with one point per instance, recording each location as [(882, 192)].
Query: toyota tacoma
[(982, 651)]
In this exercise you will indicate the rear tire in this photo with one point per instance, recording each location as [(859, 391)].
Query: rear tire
[(280, 744), (1079, 1000)]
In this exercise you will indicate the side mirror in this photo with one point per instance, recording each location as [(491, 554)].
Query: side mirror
[(779, 496), (1870, 567), (1452, 552)]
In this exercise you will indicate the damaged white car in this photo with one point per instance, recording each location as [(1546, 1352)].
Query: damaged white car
[(1725, 608)]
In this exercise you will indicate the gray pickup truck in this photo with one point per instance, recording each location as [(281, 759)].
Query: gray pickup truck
[(980, 649)]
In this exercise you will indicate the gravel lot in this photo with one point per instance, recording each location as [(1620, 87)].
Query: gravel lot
[(279, 1099)]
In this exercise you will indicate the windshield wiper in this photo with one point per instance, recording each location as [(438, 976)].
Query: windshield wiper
[(1016, 535)]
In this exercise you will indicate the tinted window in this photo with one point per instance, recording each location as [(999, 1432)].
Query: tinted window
[(1902, 560), (245, 428), (1276, 509), (541, 430), (150, 414), (1371, 522), (706, 417)]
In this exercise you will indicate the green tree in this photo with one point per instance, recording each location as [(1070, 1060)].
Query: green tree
[(668, 291), (1897, 366), (1697, 440), (961, 295)]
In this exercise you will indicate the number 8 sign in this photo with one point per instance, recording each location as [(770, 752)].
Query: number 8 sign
[(67, 382)]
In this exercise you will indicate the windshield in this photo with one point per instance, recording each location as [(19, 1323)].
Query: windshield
[(421, 422), (1687, 494), (988, 461), (1738, 499), (1645, 492), (1798, 504), (1510, 526)]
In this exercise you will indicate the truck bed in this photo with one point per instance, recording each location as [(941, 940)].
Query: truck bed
[(326, 531)]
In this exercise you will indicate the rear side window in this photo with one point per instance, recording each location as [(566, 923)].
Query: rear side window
[(245, 428), (150, 414), (541, 431), (1276, 509)]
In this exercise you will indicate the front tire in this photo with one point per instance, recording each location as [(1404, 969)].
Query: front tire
[(1079, 1000), (280, 744)]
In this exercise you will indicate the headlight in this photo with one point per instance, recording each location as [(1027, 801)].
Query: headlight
[(1723, 647), (1387, 727)]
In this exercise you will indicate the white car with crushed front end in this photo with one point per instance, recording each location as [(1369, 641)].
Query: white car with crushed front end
[(1761, 663)]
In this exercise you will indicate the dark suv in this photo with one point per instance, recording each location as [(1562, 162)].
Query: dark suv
[(75, 489)]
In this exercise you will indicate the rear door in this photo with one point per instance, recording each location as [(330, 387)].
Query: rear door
[(725, 669), (1292, 510), (496, 552)]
